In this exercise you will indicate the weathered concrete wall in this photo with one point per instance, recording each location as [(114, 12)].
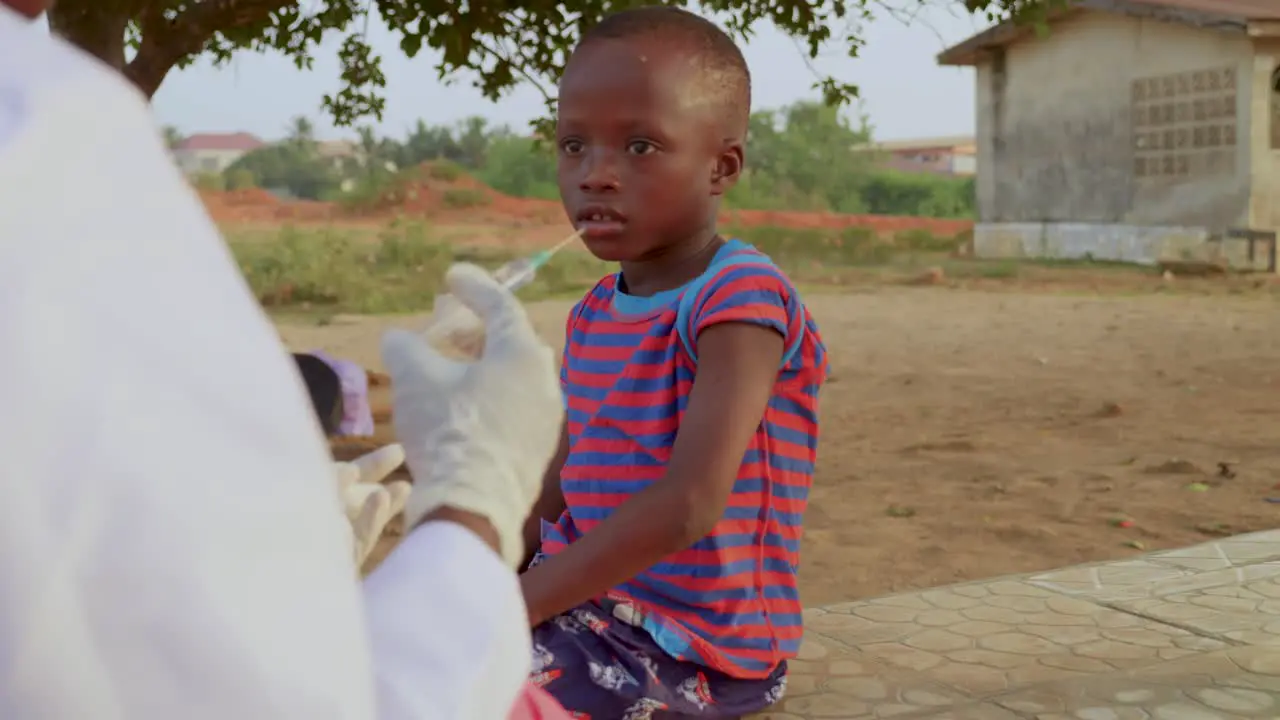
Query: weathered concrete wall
[(1066, 134), (1264, 137), (1077, 241), (1140, 244)]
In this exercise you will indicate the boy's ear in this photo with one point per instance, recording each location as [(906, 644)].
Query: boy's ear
[(728, 167)]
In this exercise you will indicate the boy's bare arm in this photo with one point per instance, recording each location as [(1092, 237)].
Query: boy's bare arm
[(725, 408), (550, 504)]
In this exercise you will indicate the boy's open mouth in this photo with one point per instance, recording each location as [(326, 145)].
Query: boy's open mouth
[(598, 221)]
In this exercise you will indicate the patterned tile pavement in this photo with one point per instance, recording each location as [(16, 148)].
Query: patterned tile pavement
[(1189, 634)]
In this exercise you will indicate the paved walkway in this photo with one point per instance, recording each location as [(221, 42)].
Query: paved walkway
[(1191, 634)]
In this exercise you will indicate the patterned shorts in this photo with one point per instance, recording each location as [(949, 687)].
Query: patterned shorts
[(600, 668)]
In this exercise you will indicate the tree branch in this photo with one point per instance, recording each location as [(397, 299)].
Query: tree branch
[(167, 41), (98, 29)]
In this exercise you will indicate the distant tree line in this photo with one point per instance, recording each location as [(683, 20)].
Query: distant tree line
[(802, 157)]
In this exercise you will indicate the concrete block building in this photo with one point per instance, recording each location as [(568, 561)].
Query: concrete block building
[(1132, 129)]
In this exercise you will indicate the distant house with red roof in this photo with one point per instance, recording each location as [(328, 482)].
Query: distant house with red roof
[(213, 152)]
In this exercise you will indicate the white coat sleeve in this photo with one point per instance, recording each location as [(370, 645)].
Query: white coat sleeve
[(171, 544), (449, 628)]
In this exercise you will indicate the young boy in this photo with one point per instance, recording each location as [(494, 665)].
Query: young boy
[(665, 585)]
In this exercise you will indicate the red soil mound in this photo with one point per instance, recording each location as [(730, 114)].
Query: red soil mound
[(441, 189), (444, 192), (256, 205)]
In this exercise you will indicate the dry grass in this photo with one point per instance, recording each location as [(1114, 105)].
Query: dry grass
[(397, 268)]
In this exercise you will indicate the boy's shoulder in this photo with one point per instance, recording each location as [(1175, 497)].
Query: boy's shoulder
[(742, 274), (739, 272), (744, 285), (740, 262)]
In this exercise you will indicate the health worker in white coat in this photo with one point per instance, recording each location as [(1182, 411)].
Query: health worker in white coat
[(171, 541)]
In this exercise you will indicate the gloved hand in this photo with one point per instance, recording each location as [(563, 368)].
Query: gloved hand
[(477, 435), (369, 504)]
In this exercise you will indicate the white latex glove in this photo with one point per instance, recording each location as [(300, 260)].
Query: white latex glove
[(369, 504), (478, 436)]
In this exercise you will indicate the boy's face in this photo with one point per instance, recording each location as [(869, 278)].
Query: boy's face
[(642, 157)]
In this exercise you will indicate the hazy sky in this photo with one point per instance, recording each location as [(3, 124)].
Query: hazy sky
[(904, 91)]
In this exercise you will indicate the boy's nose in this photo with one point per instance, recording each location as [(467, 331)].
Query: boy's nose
[(599, 173)]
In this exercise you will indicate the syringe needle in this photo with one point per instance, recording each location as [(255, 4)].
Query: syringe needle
[(577, 234)]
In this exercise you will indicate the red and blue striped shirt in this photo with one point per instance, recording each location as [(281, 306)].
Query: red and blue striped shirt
[(728, 602)]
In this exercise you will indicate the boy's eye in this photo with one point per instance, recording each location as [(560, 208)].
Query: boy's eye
[(571, 147), (640, 147)]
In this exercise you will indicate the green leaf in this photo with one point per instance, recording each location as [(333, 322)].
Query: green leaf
[(410, 45)]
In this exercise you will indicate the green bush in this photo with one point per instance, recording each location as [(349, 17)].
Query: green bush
[(889, 192), (294, 166), (239, 179), (520, 167), (399, 269), (462, 198), (804, 252), (444, 170), (209, 181), (924, 241)]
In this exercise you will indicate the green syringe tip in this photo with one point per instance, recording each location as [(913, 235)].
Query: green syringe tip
[(541, 257)]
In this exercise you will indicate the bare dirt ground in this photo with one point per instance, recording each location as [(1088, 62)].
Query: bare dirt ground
[(968, 434)]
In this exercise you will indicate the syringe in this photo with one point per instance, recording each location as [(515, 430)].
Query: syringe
[(521, 271), (456, 331)]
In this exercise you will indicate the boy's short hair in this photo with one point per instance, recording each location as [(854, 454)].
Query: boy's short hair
[(722, 70), (325, 388)]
